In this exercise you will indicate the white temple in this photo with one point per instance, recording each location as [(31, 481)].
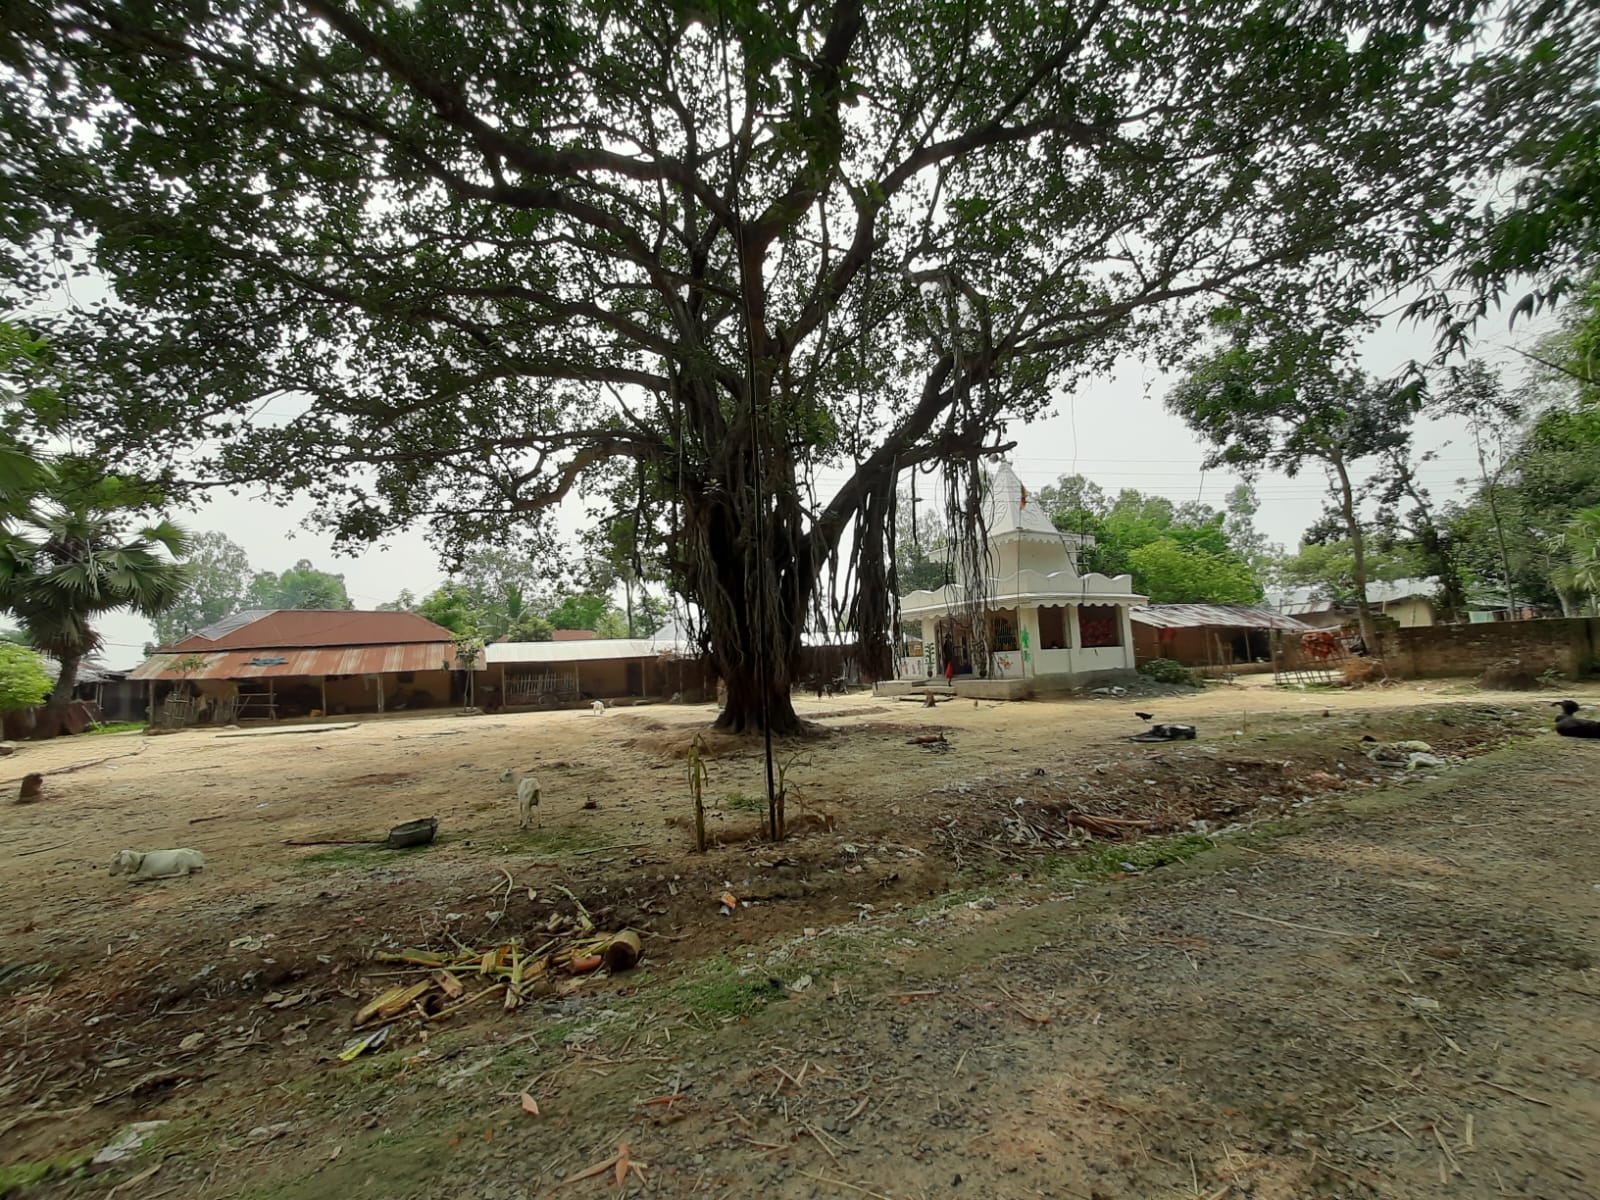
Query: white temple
[(1048, 627)]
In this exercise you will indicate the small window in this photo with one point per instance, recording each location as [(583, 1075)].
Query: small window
[(1052, 628), (1005, 635), (1099, 626)]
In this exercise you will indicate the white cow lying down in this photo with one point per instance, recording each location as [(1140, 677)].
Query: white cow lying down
[(157, 864)]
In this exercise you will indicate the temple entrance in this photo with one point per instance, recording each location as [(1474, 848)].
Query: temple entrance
[(953, 639)]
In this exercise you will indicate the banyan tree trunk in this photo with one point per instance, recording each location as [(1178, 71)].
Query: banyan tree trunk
[(752, 592)]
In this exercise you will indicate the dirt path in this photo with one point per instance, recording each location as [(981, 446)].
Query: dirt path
[(1392, 999)]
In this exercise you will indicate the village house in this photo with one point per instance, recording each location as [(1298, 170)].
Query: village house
[(1407, 602), (1210, 635), (275, 663), (99, 695), (571, 669), (1044, 627)]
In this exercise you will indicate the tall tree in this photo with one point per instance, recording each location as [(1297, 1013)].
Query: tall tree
[(1244, 537), (696, 253), (1271, 397), (450, 605), (219, 582), (301, 586), (73, 556), (1326, 564), (580, 610), (1534, 243), (406, 601), (1406, 511), (1476, 393), (1170, 573), (1176, 553)]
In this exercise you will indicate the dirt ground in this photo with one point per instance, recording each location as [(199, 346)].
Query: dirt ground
[(1034, 960)]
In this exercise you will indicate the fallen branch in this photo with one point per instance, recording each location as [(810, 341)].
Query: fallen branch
[(1307, 928), (250, 733), (42, 849), (1500, 1087), (84, 766)]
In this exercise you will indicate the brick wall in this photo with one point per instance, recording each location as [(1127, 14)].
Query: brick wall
[(1562, 644)]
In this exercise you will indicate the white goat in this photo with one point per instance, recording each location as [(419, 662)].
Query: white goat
[(527, 796), (145, 865), (598, 708)]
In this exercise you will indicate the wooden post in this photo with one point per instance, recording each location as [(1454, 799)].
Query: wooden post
[(324, 695), (150, 708)]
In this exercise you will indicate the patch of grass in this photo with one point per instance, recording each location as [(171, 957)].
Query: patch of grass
[(377, 1068), (552, 840), (359, 856), (719, 991), (744, 802), (24, 1175), (116, 727), (1102, 862)]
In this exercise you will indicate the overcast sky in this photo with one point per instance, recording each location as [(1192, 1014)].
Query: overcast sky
[(1114, 430)]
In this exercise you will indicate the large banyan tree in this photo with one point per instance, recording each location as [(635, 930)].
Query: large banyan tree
[(450, 261)]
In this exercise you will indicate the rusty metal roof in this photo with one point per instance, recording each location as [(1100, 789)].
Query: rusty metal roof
[(1231, 616), (279, 662), (275, 628)]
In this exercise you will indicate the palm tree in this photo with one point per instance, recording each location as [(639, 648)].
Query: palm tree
[(69, 557), (1582, 574)]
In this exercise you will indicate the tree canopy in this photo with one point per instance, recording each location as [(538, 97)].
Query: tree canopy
[(219, 582), (685, 258), (1176, 553), (301, 586), (1532, 244), (1270, 396)]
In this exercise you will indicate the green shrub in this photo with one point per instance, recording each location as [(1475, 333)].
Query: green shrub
[(1166, 670), (23, 682)]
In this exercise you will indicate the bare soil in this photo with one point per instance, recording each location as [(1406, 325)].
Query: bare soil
[(1036, 960)]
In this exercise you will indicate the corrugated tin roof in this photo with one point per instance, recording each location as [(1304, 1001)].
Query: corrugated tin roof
[(281, 627), (594, 650), (1379, 591), (283, 661), (88, 672), (1233, 616)]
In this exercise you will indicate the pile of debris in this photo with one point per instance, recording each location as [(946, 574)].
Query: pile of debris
[(511, 972)]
